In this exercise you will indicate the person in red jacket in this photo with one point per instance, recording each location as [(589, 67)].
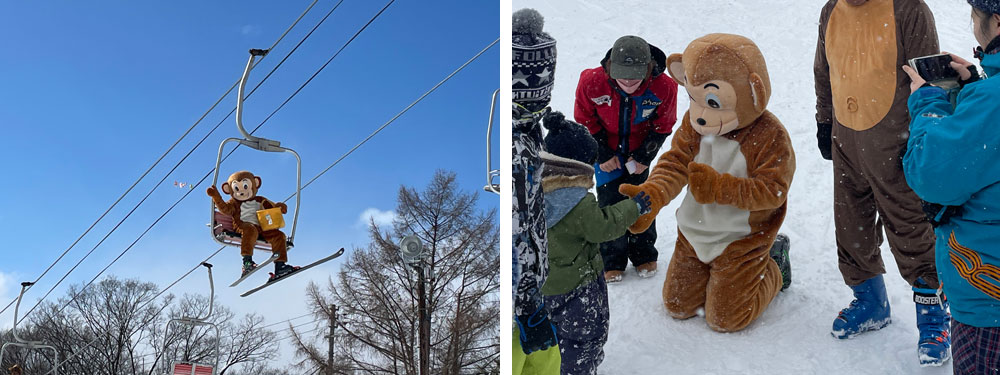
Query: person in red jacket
[(630, 108)]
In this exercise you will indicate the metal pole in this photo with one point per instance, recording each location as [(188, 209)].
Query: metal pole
[(333, 325), (423, 327)]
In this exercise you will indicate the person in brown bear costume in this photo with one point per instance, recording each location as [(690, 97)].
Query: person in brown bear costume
[(737, 160), (863, 126)]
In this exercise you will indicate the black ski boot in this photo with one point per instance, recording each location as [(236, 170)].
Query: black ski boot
[(779, 252), (248, 265), (281, 270)]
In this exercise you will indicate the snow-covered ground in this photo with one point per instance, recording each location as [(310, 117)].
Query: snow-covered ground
[(792, 336)]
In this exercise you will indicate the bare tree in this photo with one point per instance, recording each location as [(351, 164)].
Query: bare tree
[(376, 290), (125, 327)]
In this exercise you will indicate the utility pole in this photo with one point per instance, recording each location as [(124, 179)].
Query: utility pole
[(424, 328), (333, 325)]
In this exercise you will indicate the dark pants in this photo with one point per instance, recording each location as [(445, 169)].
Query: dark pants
[(635, 247), (975, 350), (871, 194), (581, 318)]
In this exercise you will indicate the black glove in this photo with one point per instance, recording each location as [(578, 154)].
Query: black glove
[(537, 331), (973, 78), (824, 139), (643, 201), (939, 214)]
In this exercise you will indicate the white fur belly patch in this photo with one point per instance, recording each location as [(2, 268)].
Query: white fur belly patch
[(710, 228)]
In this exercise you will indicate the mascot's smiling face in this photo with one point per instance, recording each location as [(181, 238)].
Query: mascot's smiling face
[(726, 80), (713, 107)]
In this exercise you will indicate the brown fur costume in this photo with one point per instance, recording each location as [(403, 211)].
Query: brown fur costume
[(738, 162), (249, 232)]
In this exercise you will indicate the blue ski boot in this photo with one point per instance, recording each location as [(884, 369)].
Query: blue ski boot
[(934, 323), (869, 311)]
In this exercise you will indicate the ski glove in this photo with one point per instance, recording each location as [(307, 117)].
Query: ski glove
[(642, 200), (939, 214), (537, 331), (824, 139)]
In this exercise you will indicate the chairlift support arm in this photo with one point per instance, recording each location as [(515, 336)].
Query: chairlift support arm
[(490, 172)]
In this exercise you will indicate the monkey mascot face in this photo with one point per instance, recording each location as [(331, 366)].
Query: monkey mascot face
[(726, 80), (242, 185)]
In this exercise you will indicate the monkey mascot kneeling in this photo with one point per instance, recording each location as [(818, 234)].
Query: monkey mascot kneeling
[(242, 207), (737, 161)]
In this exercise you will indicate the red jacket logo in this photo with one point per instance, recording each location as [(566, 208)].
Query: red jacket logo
[(603, 99)]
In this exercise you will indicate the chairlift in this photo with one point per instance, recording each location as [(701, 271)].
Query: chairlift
[(222, 227), (19, 342), (490, 172), (185, 366)]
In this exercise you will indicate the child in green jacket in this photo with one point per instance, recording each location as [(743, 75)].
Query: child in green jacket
[(575, 291)]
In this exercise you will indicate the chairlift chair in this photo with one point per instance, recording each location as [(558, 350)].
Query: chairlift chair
[(222, 227), (186, 367), (19, 342), (490, 172)]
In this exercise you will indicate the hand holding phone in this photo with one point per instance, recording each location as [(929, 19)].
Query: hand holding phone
[(935, 68)]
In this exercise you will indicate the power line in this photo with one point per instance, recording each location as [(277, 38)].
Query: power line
[(157, 185), (210, 109), (286, 320)]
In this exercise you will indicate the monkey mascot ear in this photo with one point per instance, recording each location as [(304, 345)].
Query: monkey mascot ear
[(257, 180), (226, 188), (675, 65), (759, 91)]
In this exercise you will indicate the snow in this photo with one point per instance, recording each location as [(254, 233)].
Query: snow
[(793, 335)]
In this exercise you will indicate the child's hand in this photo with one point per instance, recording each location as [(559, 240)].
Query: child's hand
[(643, 201), (646, 219), (701, 182)]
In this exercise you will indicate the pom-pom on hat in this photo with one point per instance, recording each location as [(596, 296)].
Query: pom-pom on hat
[(533, 60)]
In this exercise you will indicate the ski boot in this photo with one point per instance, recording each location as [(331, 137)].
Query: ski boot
[(869, 311), (934, 323), (779, 252), (281, 270), (248, 265)]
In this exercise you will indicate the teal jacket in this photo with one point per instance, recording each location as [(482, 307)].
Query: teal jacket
[(576, 227), (953, 159)]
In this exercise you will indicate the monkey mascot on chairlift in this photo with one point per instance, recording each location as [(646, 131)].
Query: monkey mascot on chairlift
[(246, 209)]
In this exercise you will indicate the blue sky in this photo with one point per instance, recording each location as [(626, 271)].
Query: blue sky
[(91, 93)]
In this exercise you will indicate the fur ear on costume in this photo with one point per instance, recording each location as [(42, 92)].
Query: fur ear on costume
[(226, 188), (759, 92), (675, 66)]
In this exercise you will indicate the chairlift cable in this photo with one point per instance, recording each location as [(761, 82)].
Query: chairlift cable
[(210, 109)]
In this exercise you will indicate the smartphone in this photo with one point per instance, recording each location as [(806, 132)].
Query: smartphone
[(934, 68)]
